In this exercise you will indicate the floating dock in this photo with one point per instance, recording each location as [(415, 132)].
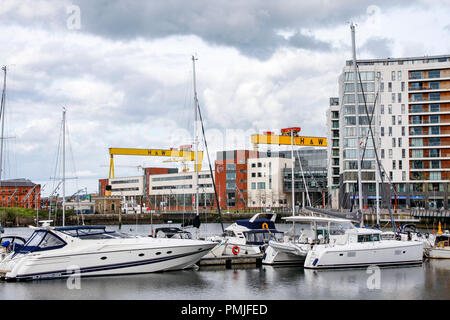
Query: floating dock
[(228, 261)]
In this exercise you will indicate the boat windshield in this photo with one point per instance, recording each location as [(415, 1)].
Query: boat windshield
[(42, 240), (368, 237), (261, 237), (91, 232), (339, 228)]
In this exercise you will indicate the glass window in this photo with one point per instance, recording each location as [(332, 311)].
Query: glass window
[(390, 109), (416, 75), (382, 109), (390, 131), (403, 131), (416, 153), (390, 153), (435, 141), (434, 85), (417, 108), (399, 97), (435, 175), (434, 119), (435, 107), (434, 74), (435, 130), (416, 97), (390, 86), (393, 76), (434, 96), (403, 86), (399, 75), (417, 164), (434, 153), (435, 164), (416, 142)]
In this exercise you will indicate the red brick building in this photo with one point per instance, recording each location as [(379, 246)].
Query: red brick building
[(20, 193), (231, 178)]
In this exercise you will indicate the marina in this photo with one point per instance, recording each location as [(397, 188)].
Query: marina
[(246, 282)]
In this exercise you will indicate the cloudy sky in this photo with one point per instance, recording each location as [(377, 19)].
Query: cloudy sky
[(123, 71)]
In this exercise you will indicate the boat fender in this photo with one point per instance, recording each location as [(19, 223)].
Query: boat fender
[(427, 235), (235, 250), (419, 234), (315, 261)]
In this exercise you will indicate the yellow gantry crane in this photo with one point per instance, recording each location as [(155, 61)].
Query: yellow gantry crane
[(184, 154), (286, 139)]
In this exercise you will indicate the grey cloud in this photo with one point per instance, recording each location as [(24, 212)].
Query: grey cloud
[(379, 47), (250, 26)]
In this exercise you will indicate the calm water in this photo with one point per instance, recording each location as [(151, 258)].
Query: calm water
[(429, 281)]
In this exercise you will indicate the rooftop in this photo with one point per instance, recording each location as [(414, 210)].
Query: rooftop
[(17, 183)]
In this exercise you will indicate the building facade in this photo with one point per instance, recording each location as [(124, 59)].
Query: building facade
[(231, 178), (176, 191), (407, 102), (20, 193), (265, 180)]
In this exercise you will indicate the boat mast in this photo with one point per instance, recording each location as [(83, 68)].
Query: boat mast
[(358, 134), (377, 172), (292, 172), (2, 115), (195, 137), (64, 166)]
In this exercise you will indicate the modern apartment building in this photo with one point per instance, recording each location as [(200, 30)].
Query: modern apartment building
[(176, 191), (408, 104), (265, 181)]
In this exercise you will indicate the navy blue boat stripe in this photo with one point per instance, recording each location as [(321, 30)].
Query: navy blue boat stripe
[(114, 266)]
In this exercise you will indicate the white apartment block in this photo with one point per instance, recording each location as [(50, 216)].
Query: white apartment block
[(176, 190), (411, 122), (127, 186), (265, 182)]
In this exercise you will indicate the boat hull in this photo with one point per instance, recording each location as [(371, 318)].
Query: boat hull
[(438, 253), (273, 256), (105, 262), (384, 253)]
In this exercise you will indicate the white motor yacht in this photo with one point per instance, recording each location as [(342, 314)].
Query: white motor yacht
[(348, 246), (296, 243), (441, 249), (245, 237), (54, 252)]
